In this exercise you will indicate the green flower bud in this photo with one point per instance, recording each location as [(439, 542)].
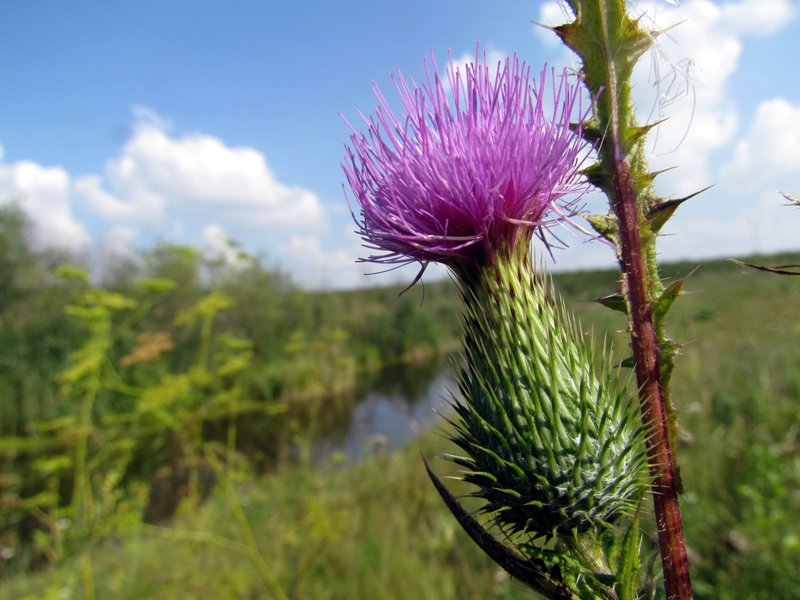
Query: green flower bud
[(550, 440)]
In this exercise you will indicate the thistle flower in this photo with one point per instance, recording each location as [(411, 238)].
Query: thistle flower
[(464, 173), (466, 179)]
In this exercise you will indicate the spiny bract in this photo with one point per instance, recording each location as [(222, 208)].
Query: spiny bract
[(549, 439)]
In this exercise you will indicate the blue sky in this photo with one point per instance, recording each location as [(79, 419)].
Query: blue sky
[(126, 123)]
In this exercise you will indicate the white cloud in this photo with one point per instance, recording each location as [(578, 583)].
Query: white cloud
[(221, 246), (44, 194), (146, 115), (686, 80), (744, 212), (193, 178), (552, 14), (118, 243), (319, 267), (162, 186), (767, 225), (89, 191), (769, 155), (757, 17), (494, 59)]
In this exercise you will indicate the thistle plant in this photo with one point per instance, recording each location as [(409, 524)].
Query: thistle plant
[(467, 179), (609, 43)]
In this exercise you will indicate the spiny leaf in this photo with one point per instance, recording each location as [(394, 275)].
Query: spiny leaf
[(668, 347), (597, 176), (590, 132), (662, 212), (542, 577), (643, 179), (638, 133), (628, 362), (614, 301), (664, 302), (628, 564)]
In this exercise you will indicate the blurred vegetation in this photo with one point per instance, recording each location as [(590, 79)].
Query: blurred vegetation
[(115, 391), (146, 421)]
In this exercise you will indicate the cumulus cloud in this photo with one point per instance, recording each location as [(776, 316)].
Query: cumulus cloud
[(44, 194), (769, 154), (494, 58), (223, 247), (686, 79), (693, 67), (158, 177), (321, 267), (182, 188), (118, 242), (766, 226), (757, 17)]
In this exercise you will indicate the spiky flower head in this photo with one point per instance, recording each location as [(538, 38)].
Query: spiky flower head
[(465, 172), (550, 441)]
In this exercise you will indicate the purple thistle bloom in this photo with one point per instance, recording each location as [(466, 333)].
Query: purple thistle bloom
[(464, 174)]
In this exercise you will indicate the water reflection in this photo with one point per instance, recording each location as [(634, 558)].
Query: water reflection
[(388, 409), (403, 405)]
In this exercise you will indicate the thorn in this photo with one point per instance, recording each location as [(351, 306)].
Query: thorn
[(779, 270), (661, 213)]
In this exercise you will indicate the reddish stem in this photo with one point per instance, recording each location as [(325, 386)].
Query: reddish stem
[(644, 343)]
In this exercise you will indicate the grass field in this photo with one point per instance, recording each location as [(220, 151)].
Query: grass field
[(378, 530)]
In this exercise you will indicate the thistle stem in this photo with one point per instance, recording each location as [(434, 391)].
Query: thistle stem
[(609, 42), (644, 343)]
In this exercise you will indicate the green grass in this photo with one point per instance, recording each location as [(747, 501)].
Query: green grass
[(737, 387), (378, 529)]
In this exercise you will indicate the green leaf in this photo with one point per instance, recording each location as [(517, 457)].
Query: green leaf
[(638, 133), (628, 362), (615, 301), (597, 175), (628, 564), (665, 301), (605, 225), (72, 273), (157, 284), (660, 214)]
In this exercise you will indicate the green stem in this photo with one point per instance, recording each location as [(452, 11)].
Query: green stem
[(245, 530), (81, 505), (88, 577)]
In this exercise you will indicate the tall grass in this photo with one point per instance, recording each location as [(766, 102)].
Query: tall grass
[(737, 386), (370, 531)]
